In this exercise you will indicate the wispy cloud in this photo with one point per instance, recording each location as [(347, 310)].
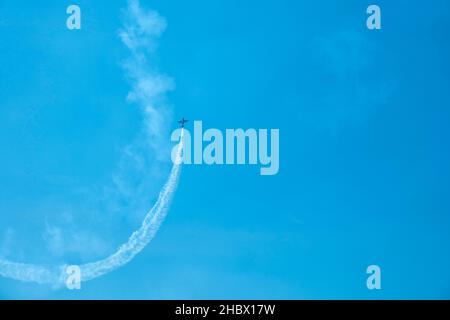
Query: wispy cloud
[(83, 243), (138, 170), (141, 30)]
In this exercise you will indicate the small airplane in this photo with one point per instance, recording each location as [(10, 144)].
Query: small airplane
[(182, 122)]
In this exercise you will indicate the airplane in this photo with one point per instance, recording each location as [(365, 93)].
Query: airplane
[(182, 122)]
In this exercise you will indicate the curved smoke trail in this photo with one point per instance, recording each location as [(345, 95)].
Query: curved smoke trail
[(139, 33), (140, 238), (126, 252)]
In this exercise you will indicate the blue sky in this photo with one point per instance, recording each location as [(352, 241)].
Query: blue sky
[(364, 149)]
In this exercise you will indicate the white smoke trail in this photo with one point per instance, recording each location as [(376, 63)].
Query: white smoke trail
[(139, 33), (137, 241), (140, 238), (29, 273)]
